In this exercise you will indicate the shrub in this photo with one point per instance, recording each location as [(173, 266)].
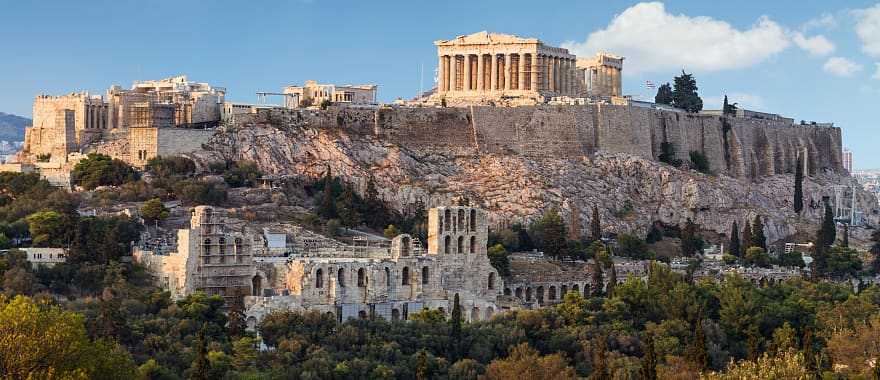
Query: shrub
[(101, 170), (667, 154), (200, 192), (173, 165), (153, 210), (631, 246), (243, 174), (699, 162)]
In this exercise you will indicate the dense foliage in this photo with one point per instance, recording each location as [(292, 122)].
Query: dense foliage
[(101, 170)]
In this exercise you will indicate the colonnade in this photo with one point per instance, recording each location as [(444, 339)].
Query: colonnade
[(505, 72)]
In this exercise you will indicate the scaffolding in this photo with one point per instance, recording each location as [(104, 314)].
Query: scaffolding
[(845, 210)]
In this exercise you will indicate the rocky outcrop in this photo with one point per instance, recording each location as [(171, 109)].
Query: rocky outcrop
[(631, 190)]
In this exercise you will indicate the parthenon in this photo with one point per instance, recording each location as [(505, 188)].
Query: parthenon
[(486, 66)]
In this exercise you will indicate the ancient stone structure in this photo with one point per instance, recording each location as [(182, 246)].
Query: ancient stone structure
[(601, 75), (313, 93), (485, 66), (194, 103), (209, 258), (62, 123)]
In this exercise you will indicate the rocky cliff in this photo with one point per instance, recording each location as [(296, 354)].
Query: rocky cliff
[(517, 162)]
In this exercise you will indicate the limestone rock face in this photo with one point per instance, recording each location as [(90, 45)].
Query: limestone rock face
[(630, 190)]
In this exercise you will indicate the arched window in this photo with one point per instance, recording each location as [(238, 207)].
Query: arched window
[(551, 295), (506, 291), (395, 315), (404, 276), (461, 220), (319, 278), (238, 246), (473, 244), (362, 278), (447, 219), (460, 245), (491, 280), (473, 220), (540, 294), (575, 288), (256, 285), (446, 244), (425, 277), (528, 294), (340, 277), (222, 245), (564, 290), (519, 293), (387, 277), (404, 246), (206, 246)]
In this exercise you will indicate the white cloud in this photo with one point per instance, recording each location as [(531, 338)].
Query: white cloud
[(868, 29), (816, 45), (825, 21), (841, 67), (653, 39), (743, 100)]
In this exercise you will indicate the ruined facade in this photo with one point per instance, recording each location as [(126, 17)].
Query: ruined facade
[(194, 104), (62, 123), (485, 66), (209, 257), (601, 76), (313, 93)]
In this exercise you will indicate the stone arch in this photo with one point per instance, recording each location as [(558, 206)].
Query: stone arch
[(425, 276), (404, 276), (447, 218), (206, 246), (447, 242), (473, 245), (473, 220), (387, 277), (362, 278), (395, 314), (551, 293), (460, 220), (239, 250), (519, 293), (256, 285), (586, 291), (529, 294), (489, 313), (491, 280), (319, 278), (340, 277), (460, 245), (404, 246), (540, 294), (564, 289), (475, 314), (221, 245), (506, 291)]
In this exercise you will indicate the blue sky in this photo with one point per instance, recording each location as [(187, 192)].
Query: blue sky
[(811, 60)]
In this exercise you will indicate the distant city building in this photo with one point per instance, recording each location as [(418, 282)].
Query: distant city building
[(847, 160)]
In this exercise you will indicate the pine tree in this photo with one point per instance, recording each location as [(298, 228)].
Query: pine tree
[(746, 237), (691, 244), (799, 185), (759, 239), (595, 226), (845, 241), (684, 93), (422, 365), (237, 322), (697, 353), (200, 367), (734, 240), (600, 360), (598, 278), (664, 94), (347, 208), (829, 229), (648, 371), (612, 280), (809, 354), (456, 327)]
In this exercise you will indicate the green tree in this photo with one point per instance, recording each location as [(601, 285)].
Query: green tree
[(595, 225), (845, 242), (242, 174), (422, 370), (759, 239), (697, 354), (799, 185), (600, 359), (524, 362), (154, 210), (700, 162), (237, 323), (757, 256), (734, 244), (327, 208), (684, 93), (549, 231), (667, 154), (728, 109), (391, 231), (829, 227), (631, 246), (455, 321), (612, 280), (200, 367), (648, 370), (691, 243), (499, 258), (101, 170), (347, 207), (49, 228), (664, 94), (244, 353), (747, 241), (598, 278)]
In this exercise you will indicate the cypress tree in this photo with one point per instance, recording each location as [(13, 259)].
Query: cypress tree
[(595, 226), (684, 93), (829, 229), (746, 237), (456, 327), (734, 240), (809, 355), (664, 94), (612, 280), (648, 371), (697, 353), (328, 202), (759, 239), (845, 241), (799, 185), (237, 322), (726, 107), (200, 366), (598, 279)]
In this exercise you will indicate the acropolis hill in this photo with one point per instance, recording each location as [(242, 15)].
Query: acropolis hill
[(514, 125)]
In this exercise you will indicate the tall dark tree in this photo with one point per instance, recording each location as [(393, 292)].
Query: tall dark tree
[(550, 230), (595, 225), (875, 251), (746, 237), (600, 359), (456, 327), (237, 322), (759, 239), (664, 94), (697, 353), (422, 366), (684, 93), (829, 228), (799, 185), (648, 371), (347, 208), (845, 241), (201, 368), (328, 201), (734, 240), (728, 109), (691, 243), (809, 354), (612, 280), (598, 278)]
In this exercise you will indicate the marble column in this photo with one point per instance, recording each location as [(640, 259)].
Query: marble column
[(480, 71), (466, 82), (563, 67), (441, 87), (494, 79), (551, 79), (533, 72), (507, 71), (521, 81), (452, 72)]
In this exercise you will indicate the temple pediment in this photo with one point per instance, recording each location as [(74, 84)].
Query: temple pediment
[(485, 37)]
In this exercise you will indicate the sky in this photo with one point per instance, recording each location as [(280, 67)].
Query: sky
[(809, 60)]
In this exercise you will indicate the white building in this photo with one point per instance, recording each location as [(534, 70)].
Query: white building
[(313, 93), (46, 257)]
